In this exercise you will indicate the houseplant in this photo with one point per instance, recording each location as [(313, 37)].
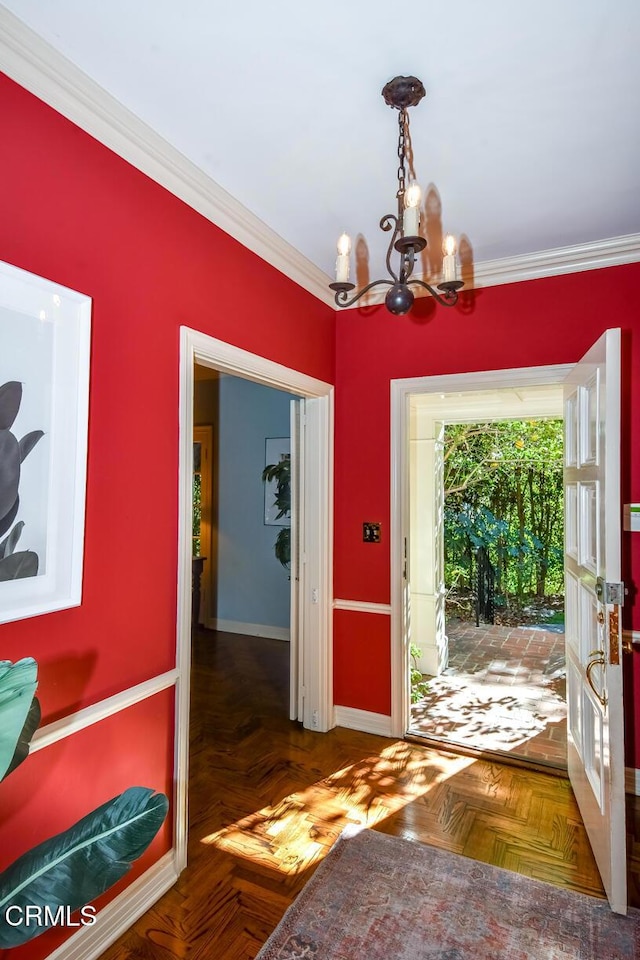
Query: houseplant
[(280, 474)]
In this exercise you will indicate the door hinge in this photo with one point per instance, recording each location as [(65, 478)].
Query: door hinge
[(614, 636), (607, 592)]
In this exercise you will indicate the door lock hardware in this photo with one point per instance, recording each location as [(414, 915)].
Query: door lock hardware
[(609, 592)]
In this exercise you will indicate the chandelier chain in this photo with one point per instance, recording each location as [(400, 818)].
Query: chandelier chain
[(402, 140)]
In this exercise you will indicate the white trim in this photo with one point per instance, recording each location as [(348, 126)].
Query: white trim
[(377, 723), (38, 67), (208, 351), (401, 390), (315, 645), (252, 629), (119, 914), (632, 781), (557, 261), (399, 524), (362, 606), (483, 380), (576, 258), (224, 357), (66, 726)]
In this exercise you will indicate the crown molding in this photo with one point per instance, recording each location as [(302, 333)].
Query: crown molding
[(560, 260), (535, 266), (37, 66)]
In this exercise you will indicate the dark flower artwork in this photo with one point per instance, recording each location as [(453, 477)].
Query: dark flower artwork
[(14, 565)]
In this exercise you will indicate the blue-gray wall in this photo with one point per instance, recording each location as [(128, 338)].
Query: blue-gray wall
[(251, 585)]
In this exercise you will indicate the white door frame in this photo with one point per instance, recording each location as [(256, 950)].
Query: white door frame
[(316, 601), (401, 390)]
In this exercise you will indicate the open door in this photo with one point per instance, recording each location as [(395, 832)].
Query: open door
[(295, 692), (311, 471), (593, 598)]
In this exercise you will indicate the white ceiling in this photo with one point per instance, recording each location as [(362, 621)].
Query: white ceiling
[(530, 130)]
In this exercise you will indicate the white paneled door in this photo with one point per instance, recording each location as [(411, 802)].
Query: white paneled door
[(296, 705), (594, 595)]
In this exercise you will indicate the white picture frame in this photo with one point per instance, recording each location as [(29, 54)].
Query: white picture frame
[(45, 340)]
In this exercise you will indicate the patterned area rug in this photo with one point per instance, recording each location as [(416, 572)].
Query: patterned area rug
[(377, 897)]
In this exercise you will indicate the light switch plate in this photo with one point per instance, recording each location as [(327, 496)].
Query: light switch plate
[(371, 532)]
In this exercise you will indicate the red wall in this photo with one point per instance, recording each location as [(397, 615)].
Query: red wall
[(525, 324), (76, 775), (74, 212)]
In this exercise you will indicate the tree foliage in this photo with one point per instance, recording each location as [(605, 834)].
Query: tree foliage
[(504, 491)]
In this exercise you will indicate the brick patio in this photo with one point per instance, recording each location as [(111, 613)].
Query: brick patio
[(504, 690)]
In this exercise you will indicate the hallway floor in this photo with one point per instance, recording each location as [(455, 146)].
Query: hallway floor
[(267, 799), (504, 690)]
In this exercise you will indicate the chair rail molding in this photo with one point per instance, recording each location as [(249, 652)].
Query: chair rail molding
[(363, 606)]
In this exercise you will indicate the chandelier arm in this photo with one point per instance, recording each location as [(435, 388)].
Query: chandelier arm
[(407, 259), (342, 295), (389, 222), (447, 299)]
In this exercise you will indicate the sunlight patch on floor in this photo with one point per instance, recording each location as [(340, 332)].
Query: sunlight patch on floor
[(490, 715), (300, 829)]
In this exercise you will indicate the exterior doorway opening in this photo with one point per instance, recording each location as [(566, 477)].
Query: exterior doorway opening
[(594, 592), (500, 683)]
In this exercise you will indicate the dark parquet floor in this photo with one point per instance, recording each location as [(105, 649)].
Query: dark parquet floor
[(267, 800)]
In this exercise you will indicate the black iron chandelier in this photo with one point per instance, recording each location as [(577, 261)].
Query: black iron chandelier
[(401, 93)]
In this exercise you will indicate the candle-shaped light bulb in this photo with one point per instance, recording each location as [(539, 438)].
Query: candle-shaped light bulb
[(449, 245), (344, 244), (342, 263), (449, 265), (411, 214)]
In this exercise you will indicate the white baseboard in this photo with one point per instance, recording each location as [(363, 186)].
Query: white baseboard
[(118, 915), (251, 629), (378, 723), (632, 781)]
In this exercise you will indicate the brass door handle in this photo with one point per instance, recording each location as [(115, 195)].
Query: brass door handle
[(598, 660)]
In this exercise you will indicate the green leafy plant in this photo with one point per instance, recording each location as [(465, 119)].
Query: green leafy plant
[(419, 686), (76, 866), (19, 711), (280, 473)]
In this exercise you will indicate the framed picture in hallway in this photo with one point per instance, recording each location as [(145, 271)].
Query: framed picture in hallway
[(44, 393), (277, 490)]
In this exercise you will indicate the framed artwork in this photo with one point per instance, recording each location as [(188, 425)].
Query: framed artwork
[(44, 395), (277, 451)]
